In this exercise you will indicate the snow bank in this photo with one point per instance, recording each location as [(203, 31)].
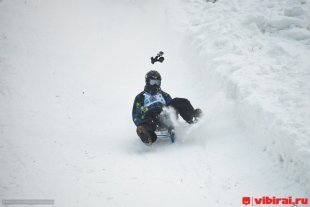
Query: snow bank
[(259, 52)]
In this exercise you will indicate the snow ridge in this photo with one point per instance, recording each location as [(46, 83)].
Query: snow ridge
[(258, 51)]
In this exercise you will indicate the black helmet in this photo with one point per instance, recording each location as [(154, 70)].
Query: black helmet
[(152, 74), (152, 81)]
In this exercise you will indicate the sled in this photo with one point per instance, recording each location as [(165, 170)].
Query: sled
[(165, 133)]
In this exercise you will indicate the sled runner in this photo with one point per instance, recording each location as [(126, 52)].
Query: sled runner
[(165, 133)]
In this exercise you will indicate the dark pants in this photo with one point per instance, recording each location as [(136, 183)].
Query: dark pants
[(182, 106)]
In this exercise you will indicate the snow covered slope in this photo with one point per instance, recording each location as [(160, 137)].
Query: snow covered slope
[(69, 72), (259, 50)]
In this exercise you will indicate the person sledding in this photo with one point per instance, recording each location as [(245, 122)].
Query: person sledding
[(149, 104)]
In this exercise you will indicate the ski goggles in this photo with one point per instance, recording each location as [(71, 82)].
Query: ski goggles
[(154, 82)]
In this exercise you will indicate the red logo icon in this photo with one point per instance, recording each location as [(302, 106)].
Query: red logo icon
[(246, 200)]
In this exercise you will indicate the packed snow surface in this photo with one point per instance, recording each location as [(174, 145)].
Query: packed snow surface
[(70, 70)]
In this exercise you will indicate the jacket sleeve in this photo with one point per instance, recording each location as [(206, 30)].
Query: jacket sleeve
[(167, 98), (137, 112)]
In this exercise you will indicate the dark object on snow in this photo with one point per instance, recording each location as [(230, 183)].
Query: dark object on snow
[(158, 58)]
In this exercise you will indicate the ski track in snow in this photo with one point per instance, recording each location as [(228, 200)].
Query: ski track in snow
[(69, 72)]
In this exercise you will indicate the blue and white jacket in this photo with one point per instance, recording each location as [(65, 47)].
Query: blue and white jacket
[(145, 102)]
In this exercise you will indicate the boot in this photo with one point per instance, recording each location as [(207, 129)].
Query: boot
[(196, 116), (146, 136), (198, 113)]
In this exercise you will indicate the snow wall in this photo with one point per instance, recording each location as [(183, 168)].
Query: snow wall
[(258, 51)]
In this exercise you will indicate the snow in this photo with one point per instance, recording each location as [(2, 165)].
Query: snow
[(69, 72), (255, 55)]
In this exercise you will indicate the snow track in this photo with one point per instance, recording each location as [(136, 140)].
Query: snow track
[(69, 72)]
